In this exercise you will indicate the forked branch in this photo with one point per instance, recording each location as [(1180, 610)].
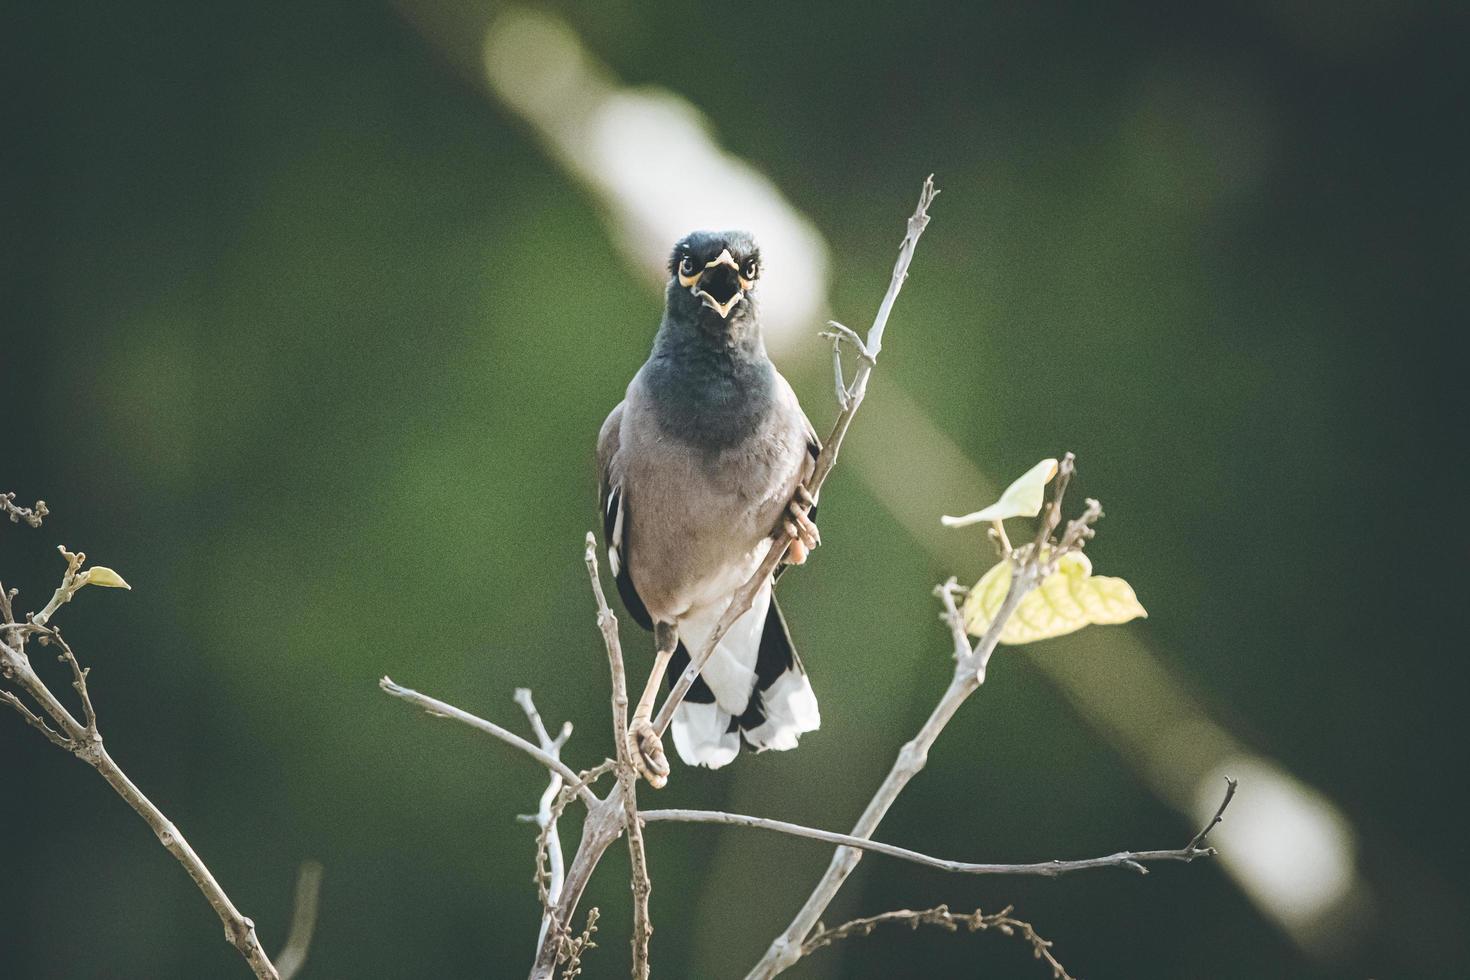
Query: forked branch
[(1030, 564), (81, 737)]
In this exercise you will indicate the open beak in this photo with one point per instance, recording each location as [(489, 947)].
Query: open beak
[(719, 286)]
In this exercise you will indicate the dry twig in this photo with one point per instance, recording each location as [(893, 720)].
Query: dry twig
[(976, 921), (642, 885), (32, 515), (1130, 860), (442, 709), (82, 738), (1030, 565), (571, 950), (548, 887)]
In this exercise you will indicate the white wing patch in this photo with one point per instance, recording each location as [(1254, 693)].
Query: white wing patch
[(615, 540)]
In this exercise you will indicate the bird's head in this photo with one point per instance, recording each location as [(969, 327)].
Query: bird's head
[(712, 278)]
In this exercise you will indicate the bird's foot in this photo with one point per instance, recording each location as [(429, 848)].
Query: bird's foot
[(646, 750), (799, 527)]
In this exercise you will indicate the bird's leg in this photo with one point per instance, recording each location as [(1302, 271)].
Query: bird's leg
[(645, 748), (799, 527)]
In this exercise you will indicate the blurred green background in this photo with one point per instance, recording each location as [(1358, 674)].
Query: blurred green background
[(289, 341)]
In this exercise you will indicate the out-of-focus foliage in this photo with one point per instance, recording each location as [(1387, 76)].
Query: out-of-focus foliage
[(312, 338)]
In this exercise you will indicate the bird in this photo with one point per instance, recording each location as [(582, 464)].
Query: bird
[(703, 467)]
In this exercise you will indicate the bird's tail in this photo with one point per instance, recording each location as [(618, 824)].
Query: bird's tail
[(753, 689)]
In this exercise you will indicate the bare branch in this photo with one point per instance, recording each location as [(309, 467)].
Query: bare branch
[(604, 824), (1199, 838), (854, 394), (552, 905), (83, 740), (303, 920), (976, 921), (35, 720), (32, 515), (70, 582), (642, 885), (79, 678), (442, 709), (549, 888), (574, 948), (1029, 567), (1080, 530), (952, 618), (7, 611), (1051, 510), (522, 697), (1131, 860)]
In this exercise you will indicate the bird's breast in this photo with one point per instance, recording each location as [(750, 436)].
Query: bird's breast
[(702, 518)]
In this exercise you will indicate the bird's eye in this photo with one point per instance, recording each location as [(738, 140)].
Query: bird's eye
[(751, 269), (687, 266)]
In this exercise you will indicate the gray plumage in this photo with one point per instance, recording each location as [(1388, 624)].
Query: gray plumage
[(697, 466)]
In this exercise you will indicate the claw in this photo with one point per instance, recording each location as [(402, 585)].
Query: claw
[(799, 525), (646, 750)]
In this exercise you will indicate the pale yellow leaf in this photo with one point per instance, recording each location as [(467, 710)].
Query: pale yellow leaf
[(1069, 599), (104, 576), (1021, 499)]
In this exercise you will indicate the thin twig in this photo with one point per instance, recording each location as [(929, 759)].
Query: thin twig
[(70, 583), (1131, 860), (868, 351), (941, 916), (545, 819), (572, 949), (1199, 838), (442, 709), (82, 739), (604, 824), (32, 515), (33, 719), (544, 875), (7, 612), (79, 678), (1029, 567), (952, 618), (642, 885)]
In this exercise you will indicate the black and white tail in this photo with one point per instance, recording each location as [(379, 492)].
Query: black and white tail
[(753, 689)]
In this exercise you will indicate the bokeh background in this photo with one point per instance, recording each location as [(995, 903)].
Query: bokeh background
[(311, 312)]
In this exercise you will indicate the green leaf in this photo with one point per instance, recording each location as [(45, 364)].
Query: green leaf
[(1021, 499), (1069, 599), (104, 576)]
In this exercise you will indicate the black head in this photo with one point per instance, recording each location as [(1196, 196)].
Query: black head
[(712, 279)]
